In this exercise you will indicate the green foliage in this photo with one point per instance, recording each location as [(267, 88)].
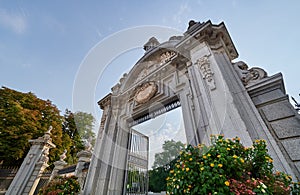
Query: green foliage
[(171, 150), (85, 124), (164, 161), (23, 116), (227, 167), (70, 130), (61, 186), (158, 176)]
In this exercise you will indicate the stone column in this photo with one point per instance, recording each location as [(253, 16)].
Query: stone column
[(28, 176)]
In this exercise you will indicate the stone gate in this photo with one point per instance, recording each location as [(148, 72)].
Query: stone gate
[(194, 71)]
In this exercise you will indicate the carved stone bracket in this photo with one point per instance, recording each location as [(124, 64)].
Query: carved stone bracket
[(249, 76), (205, 69)]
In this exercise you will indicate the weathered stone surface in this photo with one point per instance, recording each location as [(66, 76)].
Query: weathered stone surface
[(278, 110), (288, 127), (267, 97), (293, 148), (297, 165)]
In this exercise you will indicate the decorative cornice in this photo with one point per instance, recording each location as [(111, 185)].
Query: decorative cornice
[(106, 101), (216, 36)]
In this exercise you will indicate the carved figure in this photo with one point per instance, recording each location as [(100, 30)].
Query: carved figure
[(249, 76)]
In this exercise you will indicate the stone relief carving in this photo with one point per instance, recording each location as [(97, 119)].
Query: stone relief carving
[(204, 66), (142, 75), (249, 76), (167, 56), (145, 92)]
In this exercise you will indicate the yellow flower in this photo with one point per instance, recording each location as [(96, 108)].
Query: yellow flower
[(212, 164), (219, 156), (227, 183), (167, 178), (204, 157), (208, 155), (242, 160), (191, 159), (220, 165), (202, 168), (174, 179), (234, 156), (178, 166), (187, 169), (228, 149), (172, 171)]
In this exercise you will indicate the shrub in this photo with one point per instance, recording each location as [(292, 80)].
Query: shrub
[(227, 167), (61, 186)]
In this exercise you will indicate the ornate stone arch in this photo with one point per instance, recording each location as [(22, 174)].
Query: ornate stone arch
[(194, 71)]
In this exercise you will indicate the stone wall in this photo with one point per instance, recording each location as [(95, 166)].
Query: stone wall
[(281, 118)]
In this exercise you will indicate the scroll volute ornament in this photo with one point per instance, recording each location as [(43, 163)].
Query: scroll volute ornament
[(145, 92)]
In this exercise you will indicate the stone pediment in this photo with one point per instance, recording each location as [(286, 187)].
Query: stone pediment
[(147, 68)]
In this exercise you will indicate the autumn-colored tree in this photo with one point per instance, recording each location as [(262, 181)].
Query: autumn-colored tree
[(23, 116)]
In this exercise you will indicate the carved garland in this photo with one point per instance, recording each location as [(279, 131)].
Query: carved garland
[(204, 66)]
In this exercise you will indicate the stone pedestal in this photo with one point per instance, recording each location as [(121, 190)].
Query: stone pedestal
[(58, 166), (83, 157), (28, 176)]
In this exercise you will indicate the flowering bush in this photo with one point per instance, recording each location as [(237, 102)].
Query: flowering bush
[(61, 186), (227, 167)]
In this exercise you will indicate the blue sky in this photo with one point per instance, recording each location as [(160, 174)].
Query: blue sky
[(43, 43)]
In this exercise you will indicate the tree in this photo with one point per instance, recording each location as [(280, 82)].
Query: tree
[(85, 123), (163, 162), (171, 150), (23, 116), (70, 130)]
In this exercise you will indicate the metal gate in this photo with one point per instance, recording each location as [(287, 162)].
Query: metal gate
[(137, 164)]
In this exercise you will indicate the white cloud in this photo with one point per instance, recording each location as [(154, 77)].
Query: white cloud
[(184, 9), (15, 22)]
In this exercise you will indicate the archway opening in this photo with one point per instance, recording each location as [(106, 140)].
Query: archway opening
[(154, 143)]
